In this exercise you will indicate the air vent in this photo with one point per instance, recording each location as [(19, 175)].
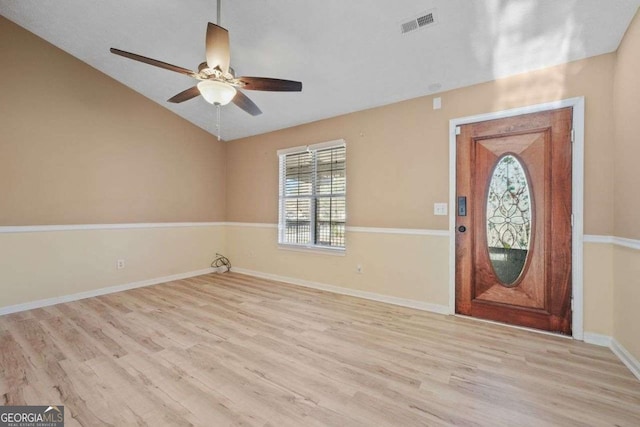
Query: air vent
[(425, 19), (409, 26)]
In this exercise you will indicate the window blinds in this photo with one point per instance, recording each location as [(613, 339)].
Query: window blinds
[(312, 197)]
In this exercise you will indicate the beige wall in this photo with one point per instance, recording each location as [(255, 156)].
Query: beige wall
[(77, 147), (598, 288), (627, 153), (403, 266), (626, 296), (42, 265), (397, 162), (626, 266)]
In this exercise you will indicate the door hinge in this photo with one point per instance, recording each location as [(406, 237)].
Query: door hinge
[(573, 135), (571, 304), (572, 220), (458, 130)]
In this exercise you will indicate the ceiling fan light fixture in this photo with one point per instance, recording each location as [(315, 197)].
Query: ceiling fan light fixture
[(215, 92)]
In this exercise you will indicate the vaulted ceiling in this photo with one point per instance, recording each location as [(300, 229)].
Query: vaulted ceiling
[(350, 55)]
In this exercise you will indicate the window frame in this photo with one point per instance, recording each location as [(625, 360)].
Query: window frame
[(308, 247)]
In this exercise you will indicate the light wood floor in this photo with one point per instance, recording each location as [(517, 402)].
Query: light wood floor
[(233, 350)]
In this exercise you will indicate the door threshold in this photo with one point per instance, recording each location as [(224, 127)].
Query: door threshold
[(522, 328)]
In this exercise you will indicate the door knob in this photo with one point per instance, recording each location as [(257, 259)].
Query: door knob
[(462, 229)]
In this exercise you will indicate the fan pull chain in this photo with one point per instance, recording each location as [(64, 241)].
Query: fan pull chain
[(218, 128)]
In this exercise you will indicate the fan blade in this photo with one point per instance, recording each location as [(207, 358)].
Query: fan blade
[(153, 62), (275, 85), (217, 47), (243, 101), (185, 95)]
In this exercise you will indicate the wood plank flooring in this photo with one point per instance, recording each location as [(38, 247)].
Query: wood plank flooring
[(229, 349)]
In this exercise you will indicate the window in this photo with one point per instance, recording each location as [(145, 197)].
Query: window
[(312, 196)]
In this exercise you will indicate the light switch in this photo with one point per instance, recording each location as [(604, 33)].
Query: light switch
[(439, 208)]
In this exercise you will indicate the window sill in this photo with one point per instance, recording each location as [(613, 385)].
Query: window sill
[(313, 249)]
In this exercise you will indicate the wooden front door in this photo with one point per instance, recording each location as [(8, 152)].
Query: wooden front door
[(513, 220)]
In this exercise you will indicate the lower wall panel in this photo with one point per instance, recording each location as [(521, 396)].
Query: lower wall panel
[(413, 267), (626, 299), (598, 288), (41, 265)]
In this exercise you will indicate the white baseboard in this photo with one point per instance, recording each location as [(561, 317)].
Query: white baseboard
[(627, 358), (419, 305), (597, 339), (102, 291)]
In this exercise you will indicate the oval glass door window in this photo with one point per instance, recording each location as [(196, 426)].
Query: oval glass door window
[(508, 219)]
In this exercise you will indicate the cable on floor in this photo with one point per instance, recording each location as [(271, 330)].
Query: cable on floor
[(221, 261)]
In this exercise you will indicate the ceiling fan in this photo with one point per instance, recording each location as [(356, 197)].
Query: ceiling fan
[(218, 84)]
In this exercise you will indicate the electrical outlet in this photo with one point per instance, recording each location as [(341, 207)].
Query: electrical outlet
[(439, 208), (120, 264), (359, 269)]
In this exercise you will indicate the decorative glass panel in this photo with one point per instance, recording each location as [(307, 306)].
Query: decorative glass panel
[(508, 219)]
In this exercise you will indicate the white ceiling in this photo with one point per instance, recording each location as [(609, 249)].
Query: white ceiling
[(350, 55)]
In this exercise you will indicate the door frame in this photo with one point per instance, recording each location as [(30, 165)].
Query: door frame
[(577, 184)]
